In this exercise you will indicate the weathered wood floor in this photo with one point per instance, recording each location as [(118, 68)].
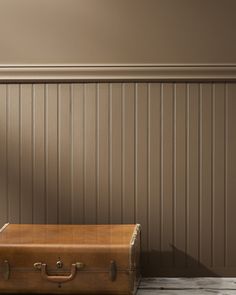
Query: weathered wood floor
[(187, 286)]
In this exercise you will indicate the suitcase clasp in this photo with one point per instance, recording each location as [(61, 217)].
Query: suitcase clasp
[(6, 270), (59, 264), (38, 265), (79, 265), (113, 270)]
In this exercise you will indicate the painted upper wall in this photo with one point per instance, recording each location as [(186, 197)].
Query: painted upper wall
[(117, 31)]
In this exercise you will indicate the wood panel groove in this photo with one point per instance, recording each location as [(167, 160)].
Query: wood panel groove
[(231, 172), (155, 175), (158, 153), (45, 153), (212, 173), (51, 146), (148, 169), (97, 150), (180, 162), (20, 150), (161, 181), (7, 154), (84, 151), (168, 173), (70, 148), (206, 174), (219, 186), (26, 153), (135, 151), (187, 176), (109, 151), (122, 150), (200, 170), (58, 149), (226, 173), (71, 156), (91, 153), (46, 150), (59, 153), (33, 148), (129, 153), (3, 153), (13, 154), (141, 160), (102, 162), (72, 137), (85, 156), (174, 173)]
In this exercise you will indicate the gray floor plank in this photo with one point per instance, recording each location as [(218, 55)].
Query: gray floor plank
[(187, 286), (188, 283), (186, 292)]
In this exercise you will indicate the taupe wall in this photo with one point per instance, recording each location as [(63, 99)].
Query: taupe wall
[(161, 154), (117, 31)]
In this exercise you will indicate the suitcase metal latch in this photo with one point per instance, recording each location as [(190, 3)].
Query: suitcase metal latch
[(59, 264), (113, 270), (38, 265), (5, 270)]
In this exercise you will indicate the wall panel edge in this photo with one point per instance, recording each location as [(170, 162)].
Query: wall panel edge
[(118, 72)]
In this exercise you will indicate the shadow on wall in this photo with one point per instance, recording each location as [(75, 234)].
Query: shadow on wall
[(175, 263)]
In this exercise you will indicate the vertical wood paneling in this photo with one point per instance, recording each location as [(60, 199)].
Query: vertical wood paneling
[(180, 174), (39, 185), (167, 224), (64, 134), (226, 105), (26, 154), (128, 129), (116, 149), (193, 175), (141, 159), (52, 153), (103, 138), (161, 154), (218, 175), (206, 174), (77, 153), (13, 153), (231, 175), (3, 155), (154, 159), (90, 129)]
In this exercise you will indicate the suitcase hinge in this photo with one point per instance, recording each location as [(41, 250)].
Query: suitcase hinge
[(113, 270)]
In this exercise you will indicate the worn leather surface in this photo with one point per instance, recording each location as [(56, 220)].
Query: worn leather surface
[(93, 245)]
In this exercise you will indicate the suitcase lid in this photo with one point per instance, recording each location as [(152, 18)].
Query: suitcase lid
[(51, 234)]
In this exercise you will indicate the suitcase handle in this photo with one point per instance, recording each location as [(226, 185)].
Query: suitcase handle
[(58, 279)]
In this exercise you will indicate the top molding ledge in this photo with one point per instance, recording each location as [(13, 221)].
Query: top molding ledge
[(117, 72)]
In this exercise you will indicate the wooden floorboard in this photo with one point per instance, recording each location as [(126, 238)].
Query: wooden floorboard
[(187, 286), (186, 292)]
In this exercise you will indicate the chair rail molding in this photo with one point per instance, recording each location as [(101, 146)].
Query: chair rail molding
[(117, 72)]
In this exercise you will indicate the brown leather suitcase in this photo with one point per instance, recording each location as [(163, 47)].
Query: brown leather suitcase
[(82, 259)]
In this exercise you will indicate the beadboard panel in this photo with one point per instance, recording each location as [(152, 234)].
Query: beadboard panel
[(159, 154)]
